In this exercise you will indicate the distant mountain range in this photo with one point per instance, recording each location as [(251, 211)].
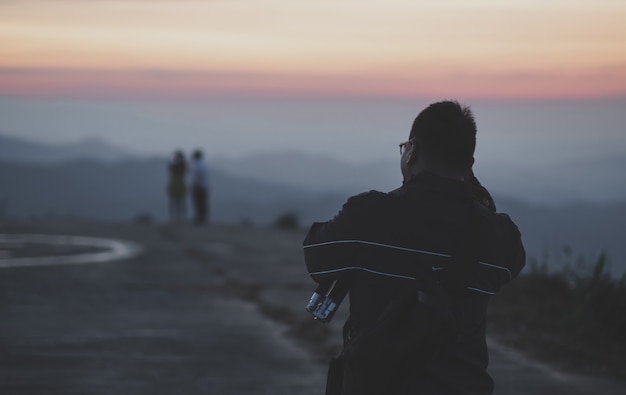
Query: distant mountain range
[(18, 150), (124, 190), (598, 180), (595, 180), (93, 180)]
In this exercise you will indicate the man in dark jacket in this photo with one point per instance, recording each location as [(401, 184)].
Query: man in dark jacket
[(379, 243)]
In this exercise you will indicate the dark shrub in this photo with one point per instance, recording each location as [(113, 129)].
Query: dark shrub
[(287, 220)]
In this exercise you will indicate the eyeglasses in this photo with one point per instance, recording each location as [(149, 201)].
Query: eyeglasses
[(404, 145)]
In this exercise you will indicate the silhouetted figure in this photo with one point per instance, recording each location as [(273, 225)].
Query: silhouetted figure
[(200, 188), (177, 187), (420, 264)]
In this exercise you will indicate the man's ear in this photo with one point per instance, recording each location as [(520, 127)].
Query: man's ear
[(413, 153)]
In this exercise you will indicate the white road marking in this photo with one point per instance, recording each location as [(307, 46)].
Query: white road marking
[(115, 250)]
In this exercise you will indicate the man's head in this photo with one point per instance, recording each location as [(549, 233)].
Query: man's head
[(197, 154), (442, 140)]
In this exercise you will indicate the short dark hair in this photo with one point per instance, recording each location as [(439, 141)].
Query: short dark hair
[(446, 131), (197, 154)]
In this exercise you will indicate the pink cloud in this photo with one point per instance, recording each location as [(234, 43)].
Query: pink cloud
[(182, 84)]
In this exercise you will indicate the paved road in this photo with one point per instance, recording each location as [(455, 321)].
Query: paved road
[(215, 310), (164, 322)]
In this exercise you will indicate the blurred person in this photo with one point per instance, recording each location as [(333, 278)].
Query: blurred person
[(200, 188), (420, 264), (177, 187)]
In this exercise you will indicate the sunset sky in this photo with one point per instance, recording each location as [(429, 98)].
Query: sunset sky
[(488, 49), (238, 77)]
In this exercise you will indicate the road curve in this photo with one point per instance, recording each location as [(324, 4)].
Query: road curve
[(111, 250)]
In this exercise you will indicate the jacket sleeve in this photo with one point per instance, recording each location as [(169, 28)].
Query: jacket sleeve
[(517, 259), (506, 257), (329, 251)]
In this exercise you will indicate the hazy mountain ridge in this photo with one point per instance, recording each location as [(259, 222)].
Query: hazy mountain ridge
[(314, 172), (20, 150), (596, 180), (123, 189), (593, 180)]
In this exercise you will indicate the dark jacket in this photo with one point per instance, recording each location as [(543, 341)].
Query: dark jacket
[(380, 241)]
